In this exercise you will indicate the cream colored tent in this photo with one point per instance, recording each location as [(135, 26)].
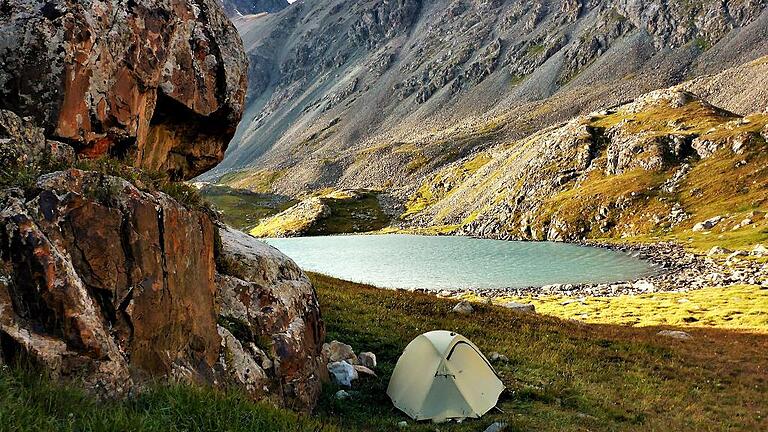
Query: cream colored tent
[(442, 375)]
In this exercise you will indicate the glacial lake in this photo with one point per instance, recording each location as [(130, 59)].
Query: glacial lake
[(437, 263)]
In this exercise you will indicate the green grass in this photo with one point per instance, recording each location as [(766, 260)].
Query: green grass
[(253, 180), (354, 212), (743, 307), (244, 209), (432, 191), (694, 118), (418, 161), (31, 403), (562, 375)]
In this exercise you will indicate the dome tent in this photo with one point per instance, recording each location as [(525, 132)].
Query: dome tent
[(441, 375)]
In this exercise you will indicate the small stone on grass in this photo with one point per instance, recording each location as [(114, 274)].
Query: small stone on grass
[(463, 308), (675, 334)]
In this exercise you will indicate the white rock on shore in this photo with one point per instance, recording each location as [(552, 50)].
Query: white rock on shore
[(759, 251), (717, 250), (707, 224)]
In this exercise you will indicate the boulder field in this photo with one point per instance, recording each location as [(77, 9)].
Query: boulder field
[(104, 279)]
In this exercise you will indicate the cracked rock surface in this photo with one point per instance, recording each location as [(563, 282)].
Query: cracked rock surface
[(158, 83)]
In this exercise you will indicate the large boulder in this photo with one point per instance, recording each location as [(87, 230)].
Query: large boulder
[(160, 83), (106, 282), (270, 305), (116, 286)]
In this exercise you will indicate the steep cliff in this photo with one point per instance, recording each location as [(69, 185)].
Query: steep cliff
[(379, 94)]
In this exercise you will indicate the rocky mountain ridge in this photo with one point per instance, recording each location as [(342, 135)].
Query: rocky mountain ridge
[(379, 94), (658, 165)]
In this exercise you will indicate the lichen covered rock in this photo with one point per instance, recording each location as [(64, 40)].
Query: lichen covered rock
[(107, 282), (269, 305), (104, 282), (160, 83)]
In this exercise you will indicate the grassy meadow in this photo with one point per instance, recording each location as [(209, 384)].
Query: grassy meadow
[(562, 374)]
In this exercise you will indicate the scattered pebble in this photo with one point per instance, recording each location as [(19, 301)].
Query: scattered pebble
[(337, 351), (367, 359), (343, 394), (496, 357), (360, 369)]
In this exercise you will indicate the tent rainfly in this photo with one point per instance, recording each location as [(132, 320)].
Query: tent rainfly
[(441, 376)]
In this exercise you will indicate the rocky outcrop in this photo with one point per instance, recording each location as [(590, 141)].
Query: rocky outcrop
[(104, 278), (335, 212), (114, 285), (651, 165), (158, 83), (106, 282), (270, 307)]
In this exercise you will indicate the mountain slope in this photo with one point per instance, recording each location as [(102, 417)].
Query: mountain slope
[(656, 166), (380, 94)]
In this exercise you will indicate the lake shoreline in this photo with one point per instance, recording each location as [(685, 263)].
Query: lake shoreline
[(674, 270)]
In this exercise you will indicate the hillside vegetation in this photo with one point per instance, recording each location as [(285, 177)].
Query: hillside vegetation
[(648, 170), (242, 208), (328, 212)]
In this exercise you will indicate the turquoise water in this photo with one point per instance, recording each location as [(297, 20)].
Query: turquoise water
[(407, 261)]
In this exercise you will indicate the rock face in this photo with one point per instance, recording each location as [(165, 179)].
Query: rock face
[(270, 306), (102, 281), (158, 83), (106, 279), (107, 282)]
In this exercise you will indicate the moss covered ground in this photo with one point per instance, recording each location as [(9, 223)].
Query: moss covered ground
[(242, 208), (742, 307)]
